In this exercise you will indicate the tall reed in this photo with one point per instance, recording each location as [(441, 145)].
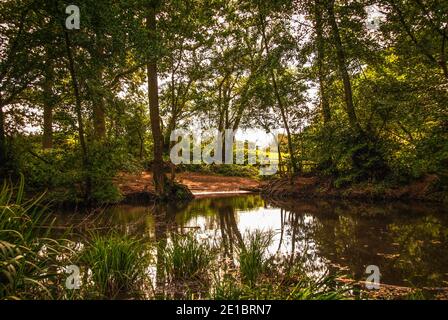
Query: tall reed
[(252, 255), (30, 262), (118, 265), (185, 257)]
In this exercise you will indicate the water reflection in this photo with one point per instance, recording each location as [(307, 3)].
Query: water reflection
[(407, 241)]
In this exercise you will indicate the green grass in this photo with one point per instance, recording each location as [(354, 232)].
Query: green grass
[(252, 256), (228, 170), (323, 288), (20, 220), (117, 264), (30, 262), (185, 257), (226, 287), (256, 277)]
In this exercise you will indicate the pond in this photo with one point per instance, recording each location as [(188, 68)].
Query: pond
[(407, 241)]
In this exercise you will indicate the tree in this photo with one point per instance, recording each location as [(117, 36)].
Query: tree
[(320, 58), (18, 66), (280, 104), (153, 97), (342, 66)]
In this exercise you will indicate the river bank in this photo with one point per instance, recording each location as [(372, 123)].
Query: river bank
[(140, 187), (424, 189)]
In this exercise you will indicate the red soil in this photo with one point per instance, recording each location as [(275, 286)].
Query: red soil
[(198, 183)]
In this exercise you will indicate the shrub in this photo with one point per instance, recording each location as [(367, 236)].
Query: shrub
[(229, 170)]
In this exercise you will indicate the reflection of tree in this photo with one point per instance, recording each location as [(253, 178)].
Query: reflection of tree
[(282, 229), (209, 207), (404, 241), (164, 221), (421, 250), (230, 233), (221, 213), (297, 242)]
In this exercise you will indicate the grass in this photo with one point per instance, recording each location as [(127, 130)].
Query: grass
[(30, 262), (323, 288), (185, 257), (117, 264), (226, 287), (19, 220), (252, 257), (261, 279), (229, 170)]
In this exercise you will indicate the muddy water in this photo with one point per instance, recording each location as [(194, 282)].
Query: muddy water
[(408, 242)]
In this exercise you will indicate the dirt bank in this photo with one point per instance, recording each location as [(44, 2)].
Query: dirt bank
[(135, 186), (140, 187), (320, 187)]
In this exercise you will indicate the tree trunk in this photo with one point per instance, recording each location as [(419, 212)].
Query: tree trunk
[(442, 60), (153, 97), (99, 119), (169, 129), (291, 150), (47, 139), (294, 168), (324, 104), (342, 65), (78, 109)]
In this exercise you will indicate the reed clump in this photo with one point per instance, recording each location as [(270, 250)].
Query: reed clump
[(117, 264)]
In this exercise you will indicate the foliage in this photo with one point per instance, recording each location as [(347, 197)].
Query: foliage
[(252, 257), (118, 264), (31, 263), (230, 170), (185, 257), (358, 103), (60, 171)]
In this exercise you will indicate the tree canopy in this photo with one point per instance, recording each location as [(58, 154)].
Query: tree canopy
[(359, 88)]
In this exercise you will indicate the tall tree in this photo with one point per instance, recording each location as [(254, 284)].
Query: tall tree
[(320, 46), (19, 63), (153, 98), (280, 104), (342, 66), (49, 103), (78, 110)]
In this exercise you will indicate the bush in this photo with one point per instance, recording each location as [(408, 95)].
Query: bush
[(226, 288), (61, 172), (229, 170)]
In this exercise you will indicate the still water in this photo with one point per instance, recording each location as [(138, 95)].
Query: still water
[(407, 241)]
